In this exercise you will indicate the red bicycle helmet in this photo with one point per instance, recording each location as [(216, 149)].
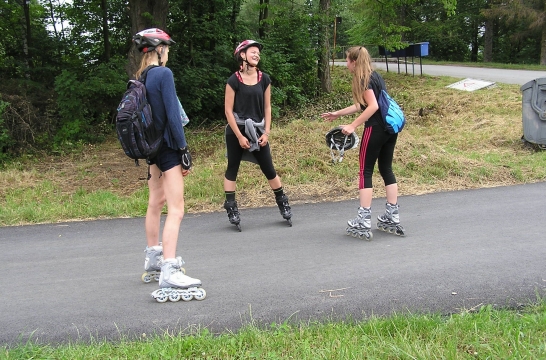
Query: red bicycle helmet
[(147, 40), (245, 45)]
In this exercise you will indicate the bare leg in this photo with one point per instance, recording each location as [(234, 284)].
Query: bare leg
[(229, 185), (365, 196), (275, 183), (392, 193), (173, 185), (156, 201)]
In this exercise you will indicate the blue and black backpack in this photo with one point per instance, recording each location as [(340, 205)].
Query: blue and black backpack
[(137, 133)]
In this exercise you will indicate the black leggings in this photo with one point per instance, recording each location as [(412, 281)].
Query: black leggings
[(377, 145), (235, 154)]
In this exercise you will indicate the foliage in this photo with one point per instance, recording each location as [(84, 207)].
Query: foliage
[(290, 59), (87, 101), (202, 58), (64, 71)]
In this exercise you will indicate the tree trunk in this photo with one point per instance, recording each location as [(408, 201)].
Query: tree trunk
[(145, 14), (264, 13), (324, 58), (488, 41), (543, 46), (27, 38), (105, 33)]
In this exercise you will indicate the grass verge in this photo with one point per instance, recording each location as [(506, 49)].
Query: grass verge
[(487, 333), (453, 140)]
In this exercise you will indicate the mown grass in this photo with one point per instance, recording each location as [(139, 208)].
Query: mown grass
[(487, 333)]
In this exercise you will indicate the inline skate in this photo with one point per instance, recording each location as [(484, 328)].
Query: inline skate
[(284, 208), (361, 226), (152, 263), (389, 221), (175, 285), (233, 213), (152, 267)]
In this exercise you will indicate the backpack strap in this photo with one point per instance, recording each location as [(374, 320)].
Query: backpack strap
[(142, 77)]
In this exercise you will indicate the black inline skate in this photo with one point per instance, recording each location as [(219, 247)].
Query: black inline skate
[(284, 208), (361, 226), (233, 213), (389, 221)]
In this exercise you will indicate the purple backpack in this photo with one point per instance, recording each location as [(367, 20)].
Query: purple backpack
[(136, 131)]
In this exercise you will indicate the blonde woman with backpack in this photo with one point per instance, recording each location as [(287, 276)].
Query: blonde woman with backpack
[(166, 172), (376, 146)]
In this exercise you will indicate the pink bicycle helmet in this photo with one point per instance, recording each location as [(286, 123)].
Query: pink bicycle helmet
[(245, 45), (147, 40)]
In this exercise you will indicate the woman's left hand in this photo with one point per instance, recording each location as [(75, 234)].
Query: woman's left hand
[(263, 140)]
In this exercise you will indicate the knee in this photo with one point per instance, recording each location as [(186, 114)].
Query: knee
[(176, 212), (156, 203)]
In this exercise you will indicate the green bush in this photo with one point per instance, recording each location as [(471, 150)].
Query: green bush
[(87, 101)]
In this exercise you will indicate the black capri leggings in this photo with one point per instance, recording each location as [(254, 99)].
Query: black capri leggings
[(377, 145), (235, 154)]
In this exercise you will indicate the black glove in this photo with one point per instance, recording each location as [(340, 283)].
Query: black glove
[(185, 158)]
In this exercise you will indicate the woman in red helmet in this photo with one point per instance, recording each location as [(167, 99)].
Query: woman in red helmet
[(168, 168), (248, 111)]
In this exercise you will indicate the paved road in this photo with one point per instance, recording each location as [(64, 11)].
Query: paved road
[(81, 280), (519, 77)]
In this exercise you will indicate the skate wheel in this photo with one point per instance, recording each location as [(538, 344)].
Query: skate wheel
[(174, 296), (156, 278), (289, 222), (161, 297), (238, 227), (186, 296), (200, 294), (366, 236), (146, 278)]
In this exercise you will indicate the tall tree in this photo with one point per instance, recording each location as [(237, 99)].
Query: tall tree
[(262, 18), (145, 14), (531, 13), (324, 52), (105, 31)]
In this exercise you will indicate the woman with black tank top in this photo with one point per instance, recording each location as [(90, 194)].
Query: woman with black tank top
[(377, 146), (248, 112)]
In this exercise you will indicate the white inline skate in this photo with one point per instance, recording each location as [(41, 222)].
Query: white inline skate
[(361, 226), (389, 221), (152, 269), (152, 263), (175, 285)]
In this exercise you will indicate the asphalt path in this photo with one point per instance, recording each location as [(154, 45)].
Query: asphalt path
[(80, 281), (505, 76)]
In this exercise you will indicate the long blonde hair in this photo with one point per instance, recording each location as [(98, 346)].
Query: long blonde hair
[(147, 59), (362, 72)]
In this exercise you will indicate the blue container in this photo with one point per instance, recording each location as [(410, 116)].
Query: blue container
[(420, 49), (534, 111)]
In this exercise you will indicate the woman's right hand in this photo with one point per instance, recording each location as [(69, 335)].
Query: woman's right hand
[(243, 142), (329, 116)]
